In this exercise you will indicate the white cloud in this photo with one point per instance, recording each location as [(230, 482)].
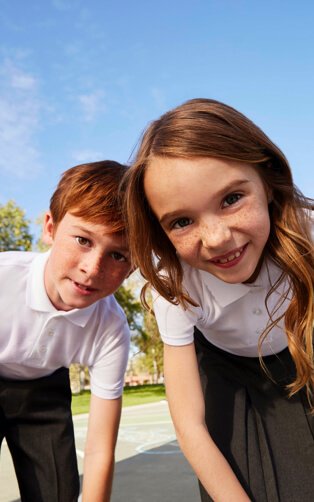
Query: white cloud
[(19, 121), (81, 156), (92, 104)]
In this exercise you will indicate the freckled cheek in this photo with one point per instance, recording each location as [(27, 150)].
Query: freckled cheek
[(186, 246), (254, 221), (115, 278)]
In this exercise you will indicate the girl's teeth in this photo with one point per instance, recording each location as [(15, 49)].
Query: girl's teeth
[(224, 260), (230, 257)]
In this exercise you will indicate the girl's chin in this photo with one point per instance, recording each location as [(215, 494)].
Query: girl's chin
[(233, 276)]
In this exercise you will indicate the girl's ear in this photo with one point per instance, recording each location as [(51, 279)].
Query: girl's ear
[(48, 229)]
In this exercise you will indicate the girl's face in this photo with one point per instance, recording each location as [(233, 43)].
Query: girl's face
[(214, 211)]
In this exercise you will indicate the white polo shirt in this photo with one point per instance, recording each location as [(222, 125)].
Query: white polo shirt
[(231, 316), (36, 339)]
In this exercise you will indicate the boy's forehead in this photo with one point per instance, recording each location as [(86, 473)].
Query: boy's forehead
[(94, 226)]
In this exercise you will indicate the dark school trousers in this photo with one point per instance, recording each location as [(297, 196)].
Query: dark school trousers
[(267, 438), (36, 420)]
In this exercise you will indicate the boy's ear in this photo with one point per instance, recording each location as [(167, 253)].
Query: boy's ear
[(48, 229)]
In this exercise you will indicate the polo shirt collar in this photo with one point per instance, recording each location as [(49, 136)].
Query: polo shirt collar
[(223, 292), (37, 298), (226, 293)]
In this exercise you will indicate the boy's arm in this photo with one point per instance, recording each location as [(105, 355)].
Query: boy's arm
[(103, 424), (187, 409)]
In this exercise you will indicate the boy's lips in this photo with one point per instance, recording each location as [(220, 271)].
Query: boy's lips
[(228, 258), (83, 287)]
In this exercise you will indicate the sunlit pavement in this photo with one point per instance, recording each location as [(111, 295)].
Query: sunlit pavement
[(149, 464)]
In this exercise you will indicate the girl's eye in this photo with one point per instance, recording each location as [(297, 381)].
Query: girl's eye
[(118, 256), (82, 241), (181, 223), (231, 199)]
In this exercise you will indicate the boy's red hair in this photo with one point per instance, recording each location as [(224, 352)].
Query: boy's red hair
[(91, 191)]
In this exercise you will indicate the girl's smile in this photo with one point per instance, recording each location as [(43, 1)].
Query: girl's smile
[(230, 259), (215, 213)]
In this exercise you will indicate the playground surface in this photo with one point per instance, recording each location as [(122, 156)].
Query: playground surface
[(149, 464)]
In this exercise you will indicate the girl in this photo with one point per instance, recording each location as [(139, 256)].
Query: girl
[(224, 238)]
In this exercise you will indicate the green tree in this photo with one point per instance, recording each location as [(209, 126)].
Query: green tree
[(149, 344), (131, 306), (14, 228)]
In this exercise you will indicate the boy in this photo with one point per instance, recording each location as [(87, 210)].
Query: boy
[(58, 308)]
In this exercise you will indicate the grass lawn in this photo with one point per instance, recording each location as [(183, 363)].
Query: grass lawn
[(140, 394)]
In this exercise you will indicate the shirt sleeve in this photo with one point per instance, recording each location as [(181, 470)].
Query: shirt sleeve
[(107, 372), (175, 324)]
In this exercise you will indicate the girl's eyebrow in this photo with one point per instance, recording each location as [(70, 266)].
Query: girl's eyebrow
[(170, 216), (227, 188), (231, 186)]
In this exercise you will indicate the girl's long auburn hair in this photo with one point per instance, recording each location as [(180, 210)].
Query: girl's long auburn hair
[(208, 128)]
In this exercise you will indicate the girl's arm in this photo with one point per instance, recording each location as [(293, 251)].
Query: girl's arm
[(103, 424), (187, 409)]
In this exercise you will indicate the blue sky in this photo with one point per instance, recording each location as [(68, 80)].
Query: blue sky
[(79, 80)]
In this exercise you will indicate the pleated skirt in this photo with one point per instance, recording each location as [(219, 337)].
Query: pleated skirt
[(267, 438)]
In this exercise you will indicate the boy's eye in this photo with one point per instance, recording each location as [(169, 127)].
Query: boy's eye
[(181, 223), (82, 241), (118, 256), (231, 199)]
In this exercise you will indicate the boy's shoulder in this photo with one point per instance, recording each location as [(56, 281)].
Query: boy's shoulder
[(110, 306), (17, 258)]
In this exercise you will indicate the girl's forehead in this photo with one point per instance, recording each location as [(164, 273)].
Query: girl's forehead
[(205, 167), (170, 181)]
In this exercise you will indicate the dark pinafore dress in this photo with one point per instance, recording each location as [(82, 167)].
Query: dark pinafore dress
[(267, 438)]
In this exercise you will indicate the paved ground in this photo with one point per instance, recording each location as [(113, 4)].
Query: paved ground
[(150, 466)]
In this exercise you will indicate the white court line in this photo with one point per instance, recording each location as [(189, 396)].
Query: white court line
[(147, 447)]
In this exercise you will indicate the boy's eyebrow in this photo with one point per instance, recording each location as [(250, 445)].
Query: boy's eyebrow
[(230, 186), (83, 229), (89, 232)]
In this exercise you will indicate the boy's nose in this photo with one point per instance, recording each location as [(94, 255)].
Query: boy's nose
[(215, 234), (93, 265)]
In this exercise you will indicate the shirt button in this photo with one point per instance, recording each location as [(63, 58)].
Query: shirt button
[(43, 349), (50, 332), (257, 311)]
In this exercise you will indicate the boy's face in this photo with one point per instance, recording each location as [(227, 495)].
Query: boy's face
[(87, 261)]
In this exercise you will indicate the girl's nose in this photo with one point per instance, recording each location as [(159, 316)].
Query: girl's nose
[(215, 234)]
